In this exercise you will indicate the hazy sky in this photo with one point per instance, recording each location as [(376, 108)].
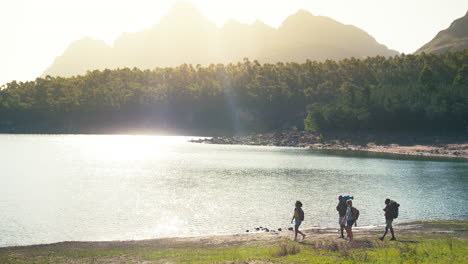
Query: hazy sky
[(34, 32)]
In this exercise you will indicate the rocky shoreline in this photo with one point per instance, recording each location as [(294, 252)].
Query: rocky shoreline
[(453, 146)]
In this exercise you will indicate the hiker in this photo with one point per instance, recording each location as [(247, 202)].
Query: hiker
[(350, 219), (298, 217), (341, 208), (391, 212)]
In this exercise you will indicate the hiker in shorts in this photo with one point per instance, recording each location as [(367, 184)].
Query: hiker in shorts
[(350, 219), (341, 208), (389, 216), (298, 217)]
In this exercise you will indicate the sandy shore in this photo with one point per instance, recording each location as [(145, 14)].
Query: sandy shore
[(452, 147)]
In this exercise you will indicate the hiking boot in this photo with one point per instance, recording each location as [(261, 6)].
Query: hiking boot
[(381, 238), (393, 238), (341, 237)]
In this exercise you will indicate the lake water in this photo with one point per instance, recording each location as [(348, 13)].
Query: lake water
[(86, 187)]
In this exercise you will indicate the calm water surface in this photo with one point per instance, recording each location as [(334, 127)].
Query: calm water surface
[(84, 187)]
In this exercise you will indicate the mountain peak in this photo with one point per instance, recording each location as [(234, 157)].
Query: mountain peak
[(303, 13), (259, 23), (183, 11), (184, 18), (298, 19), (184, 8)]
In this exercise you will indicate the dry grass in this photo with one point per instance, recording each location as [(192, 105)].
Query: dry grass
[(286, 249)]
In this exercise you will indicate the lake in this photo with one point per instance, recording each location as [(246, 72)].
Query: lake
[(113, 187)]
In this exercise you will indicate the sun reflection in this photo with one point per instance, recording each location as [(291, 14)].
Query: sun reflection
[(132, 147)]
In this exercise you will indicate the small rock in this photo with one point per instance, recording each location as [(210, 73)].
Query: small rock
[(290, 228), (279, 229), (247, 230)]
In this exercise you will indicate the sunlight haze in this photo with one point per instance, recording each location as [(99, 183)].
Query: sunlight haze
[(34, 33)]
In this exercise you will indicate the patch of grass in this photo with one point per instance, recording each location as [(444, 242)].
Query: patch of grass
[(286, 249), (235, 254)]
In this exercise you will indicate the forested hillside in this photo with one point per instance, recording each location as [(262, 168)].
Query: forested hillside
[(407, 92)]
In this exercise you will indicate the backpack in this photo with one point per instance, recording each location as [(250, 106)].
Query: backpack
[(301, 214), (356, 213), (393, 209)]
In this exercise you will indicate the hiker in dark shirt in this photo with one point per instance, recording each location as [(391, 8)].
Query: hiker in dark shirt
[(341, 208), (298, 217), (390, 213)]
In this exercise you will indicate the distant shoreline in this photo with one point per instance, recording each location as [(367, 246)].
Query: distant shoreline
[(446, 147)]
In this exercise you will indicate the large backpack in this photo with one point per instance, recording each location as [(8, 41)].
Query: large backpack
[(393, 209), (356, 213), (301, 214)]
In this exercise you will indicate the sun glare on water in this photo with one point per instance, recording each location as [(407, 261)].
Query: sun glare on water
[(132, 147)]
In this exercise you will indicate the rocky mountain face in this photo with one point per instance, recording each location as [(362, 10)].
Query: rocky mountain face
[(455, 37), (184, 35)]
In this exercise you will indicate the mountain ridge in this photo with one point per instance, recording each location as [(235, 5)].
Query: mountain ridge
[(184, 35)]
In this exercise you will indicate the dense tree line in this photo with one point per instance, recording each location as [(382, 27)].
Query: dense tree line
[(406, 92)]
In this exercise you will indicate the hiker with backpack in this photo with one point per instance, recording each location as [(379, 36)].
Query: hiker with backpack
[(298, 217), (391, 212), (341, 208), (350, 219)]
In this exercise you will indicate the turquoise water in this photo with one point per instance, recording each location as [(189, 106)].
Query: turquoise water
[(85, 187)]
